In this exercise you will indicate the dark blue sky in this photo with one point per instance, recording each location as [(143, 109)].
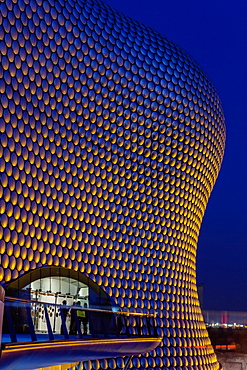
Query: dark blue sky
[(214, 32)]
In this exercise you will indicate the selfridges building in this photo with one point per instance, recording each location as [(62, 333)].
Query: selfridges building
[(111, 141)]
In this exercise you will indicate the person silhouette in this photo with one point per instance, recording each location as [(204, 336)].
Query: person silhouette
[(72, 329), (64, 311), (85, 320)]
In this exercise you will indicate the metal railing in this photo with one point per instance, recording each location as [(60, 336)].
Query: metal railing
[(22, 317)]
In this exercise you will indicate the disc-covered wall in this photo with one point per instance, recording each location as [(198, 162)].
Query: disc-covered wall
[(111, 139)]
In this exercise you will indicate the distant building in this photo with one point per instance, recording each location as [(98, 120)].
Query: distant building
[(200, 289), (236, 319), (111, 139)]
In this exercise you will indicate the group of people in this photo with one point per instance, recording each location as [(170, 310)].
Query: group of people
[(75, 313)]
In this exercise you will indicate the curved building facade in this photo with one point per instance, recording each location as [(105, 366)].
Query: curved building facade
[(111, 139)]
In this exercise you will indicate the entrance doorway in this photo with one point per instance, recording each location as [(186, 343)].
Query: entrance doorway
[(55, 288)]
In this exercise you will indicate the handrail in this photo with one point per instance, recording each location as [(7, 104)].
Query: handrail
[(22, 314), (127, 313)]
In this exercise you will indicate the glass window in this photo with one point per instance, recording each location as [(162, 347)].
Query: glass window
[(54, 290)]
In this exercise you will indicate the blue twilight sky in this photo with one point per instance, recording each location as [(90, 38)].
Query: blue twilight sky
[(214, 32)]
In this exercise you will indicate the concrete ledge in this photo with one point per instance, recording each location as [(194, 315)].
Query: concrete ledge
[(28, 356)]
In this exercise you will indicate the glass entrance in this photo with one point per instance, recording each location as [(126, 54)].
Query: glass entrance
[(55, 290), (50, 289)]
